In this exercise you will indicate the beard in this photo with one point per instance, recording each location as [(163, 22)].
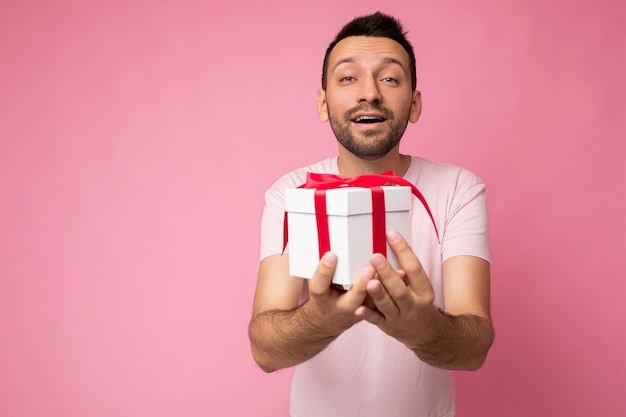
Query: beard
[(374, 144)]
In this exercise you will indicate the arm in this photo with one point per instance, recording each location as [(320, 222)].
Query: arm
[(458, 338), (283, 333)]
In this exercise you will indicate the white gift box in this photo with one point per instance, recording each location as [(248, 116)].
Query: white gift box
[(349, 211)]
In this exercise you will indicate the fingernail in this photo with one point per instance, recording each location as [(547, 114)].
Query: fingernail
[(393, 236), (367, 273), (329, 259), (378, 260)]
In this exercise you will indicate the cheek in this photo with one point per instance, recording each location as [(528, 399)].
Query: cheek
[(338, 104), (336, 112)]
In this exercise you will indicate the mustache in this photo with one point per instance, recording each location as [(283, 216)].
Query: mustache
[(369, 108)]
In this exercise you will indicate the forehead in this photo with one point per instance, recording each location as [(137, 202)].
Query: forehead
[(366, 50)]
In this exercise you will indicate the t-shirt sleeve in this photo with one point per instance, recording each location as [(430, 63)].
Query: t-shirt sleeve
[(272, 220), (467, 227)]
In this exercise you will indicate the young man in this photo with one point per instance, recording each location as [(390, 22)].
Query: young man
[(386, 346)]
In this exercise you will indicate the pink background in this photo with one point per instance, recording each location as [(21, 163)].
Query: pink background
[(137, 139)]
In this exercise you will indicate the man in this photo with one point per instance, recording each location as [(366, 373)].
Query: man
[(386, 346)]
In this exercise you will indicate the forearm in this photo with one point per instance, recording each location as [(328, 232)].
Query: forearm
[(455, 341), (284, 338)]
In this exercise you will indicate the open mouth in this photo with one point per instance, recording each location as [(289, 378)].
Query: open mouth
[(368, 119)]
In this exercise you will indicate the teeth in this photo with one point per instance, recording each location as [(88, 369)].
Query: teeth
[(368, 119)]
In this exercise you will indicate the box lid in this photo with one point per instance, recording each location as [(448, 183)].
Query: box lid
[(346, 201)]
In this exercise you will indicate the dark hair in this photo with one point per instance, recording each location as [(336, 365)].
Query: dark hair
[(377, 25)]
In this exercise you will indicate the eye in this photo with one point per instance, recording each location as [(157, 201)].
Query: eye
[(347, 79), (389, 80)]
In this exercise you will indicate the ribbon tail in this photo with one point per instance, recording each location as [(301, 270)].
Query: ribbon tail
[(285, 234), (421, 198)]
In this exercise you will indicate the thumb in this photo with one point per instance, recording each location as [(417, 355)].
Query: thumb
[(322, 278)]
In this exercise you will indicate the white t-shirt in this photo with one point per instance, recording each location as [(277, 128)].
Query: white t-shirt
[(365, 372)]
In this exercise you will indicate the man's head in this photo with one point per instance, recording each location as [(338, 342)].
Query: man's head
[(377, 25), (369, 93)]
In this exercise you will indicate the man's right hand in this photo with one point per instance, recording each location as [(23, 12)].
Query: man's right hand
[(330, 308), (284, 333)]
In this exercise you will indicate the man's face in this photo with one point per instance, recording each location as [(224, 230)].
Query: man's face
[(368, 99)]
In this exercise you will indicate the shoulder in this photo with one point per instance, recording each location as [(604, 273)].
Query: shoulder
[(437, 177), (427, 169)]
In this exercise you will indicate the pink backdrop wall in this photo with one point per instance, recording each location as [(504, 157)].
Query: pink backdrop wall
[(137, 139)]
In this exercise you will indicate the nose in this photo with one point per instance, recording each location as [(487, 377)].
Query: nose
[(370, 90)]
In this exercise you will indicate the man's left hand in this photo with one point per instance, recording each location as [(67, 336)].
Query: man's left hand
[(404, 299)]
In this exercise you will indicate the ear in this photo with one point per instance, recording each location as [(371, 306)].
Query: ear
[(416, 107), (321, 105)]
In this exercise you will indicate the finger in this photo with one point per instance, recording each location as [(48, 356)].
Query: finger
[(319, 284), (356, 295), (383, 288), (393, 284), (417, 278), (371, 315), (402, 275)]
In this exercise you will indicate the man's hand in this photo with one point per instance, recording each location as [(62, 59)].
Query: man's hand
[(284, 333), (405, 307), (329, 307), (403, 299)]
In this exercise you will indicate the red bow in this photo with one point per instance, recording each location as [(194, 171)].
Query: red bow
[(323, 182)]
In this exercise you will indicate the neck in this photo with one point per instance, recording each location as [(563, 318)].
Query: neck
[(351, 166)]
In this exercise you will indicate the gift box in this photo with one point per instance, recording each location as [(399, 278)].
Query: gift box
[(355, 221)]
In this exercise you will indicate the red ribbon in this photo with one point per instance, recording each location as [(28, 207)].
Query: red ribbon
[(323, 182)]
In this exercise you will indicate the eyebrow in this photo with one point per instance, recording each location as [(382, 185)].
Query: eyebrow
[(353, 60)]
